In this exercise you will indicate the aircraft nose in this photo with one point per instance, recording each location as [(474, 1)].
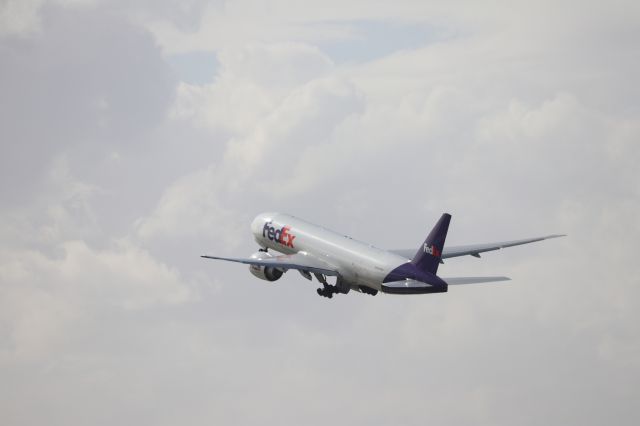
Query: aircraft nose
[(259, 221), (256, 225)]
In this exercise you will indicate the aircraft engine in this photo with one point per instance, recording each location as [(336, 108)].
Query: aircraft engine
[(264, 272)]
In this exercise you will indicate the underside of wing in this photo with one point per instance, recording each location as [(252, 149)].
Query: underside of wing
[(475, 249), (473, 280), (297, 261)]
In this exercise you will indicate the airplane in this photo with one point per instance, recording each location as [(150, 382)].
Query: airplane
[(313, 250)]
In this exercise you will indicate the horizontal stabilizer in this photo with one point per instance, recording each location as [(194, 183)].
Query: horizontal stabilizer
[(473, 280), (411, 287)]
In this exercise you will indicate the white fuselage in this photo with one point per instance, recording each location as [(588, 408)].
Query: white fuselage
[(357, 263)]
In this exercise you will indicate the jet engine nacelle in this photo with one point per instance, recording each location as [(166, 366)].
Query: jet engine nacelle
[(264, 272)]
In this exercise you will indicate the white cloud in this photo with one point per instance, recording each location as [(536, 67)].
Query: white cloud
[(274, 101), (195, 205), (267, 158), (51, 279), (520, 121), (45, 297), (252, 81), (22, 17), (19, 16)]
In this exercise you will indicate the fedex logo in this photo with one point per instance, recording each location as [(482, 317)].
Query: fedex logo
[(432, 250), (280, 236)]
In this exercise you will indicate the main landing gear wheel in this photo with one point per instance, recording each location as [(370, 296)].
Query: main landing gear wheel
[(367, 290), (322, 292), (327, 291)]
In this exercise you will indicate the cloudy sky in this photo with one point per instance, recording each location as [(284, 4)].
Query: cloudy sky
[(137, 135)]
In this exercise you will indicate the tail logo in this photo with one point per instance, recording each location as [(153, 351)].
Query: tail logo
[(432, 250)]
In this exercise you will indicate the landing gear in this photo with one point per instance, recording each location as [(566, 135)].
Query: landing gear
[(367, 290), (329, 290)]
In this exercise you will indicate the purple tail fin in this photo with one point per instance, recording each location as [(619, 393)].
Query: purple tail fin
[(429, 254)]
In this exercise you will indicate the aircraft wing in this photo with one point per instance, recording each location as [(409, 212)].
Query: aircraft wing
[(475, 249), (297, 261)]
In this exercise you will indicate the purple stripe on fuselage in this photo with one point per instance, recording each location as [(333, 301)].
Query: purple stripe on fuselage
[(410, 271)]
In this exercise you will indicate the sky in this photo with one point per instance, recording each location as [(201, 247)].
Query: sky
[(138, 135)]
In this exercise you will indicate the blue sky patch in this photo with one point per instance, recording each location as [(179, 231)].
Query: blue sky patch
[(195, 67), (377, 39)]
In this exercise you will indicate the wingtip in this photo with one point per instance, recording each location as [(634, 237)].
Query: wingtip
[(498, 279), (556, 236)]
